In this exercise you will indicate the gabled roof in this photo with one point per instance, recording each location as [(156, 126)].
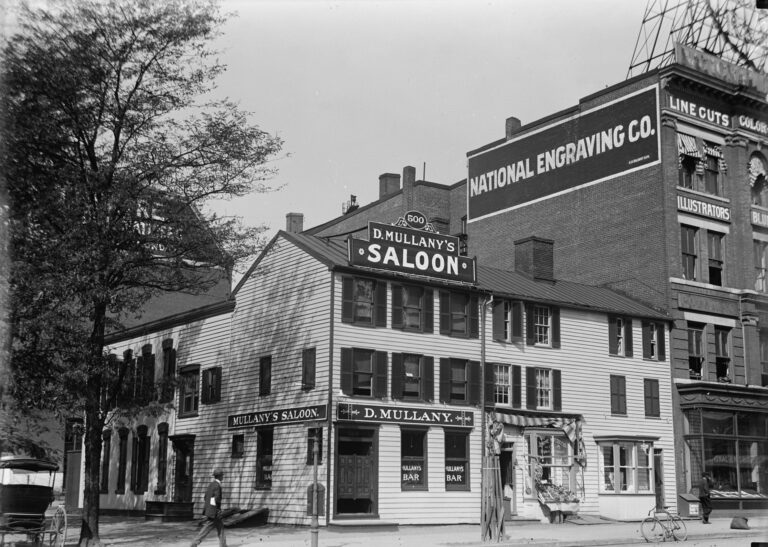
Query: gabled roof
[(502, 283)]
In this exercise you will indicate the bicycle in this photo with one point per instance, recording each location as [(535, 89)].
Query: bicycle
[(656, 528)]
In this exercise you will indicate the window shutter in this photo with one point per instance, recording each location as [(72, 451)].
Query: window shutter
[(613, 347), (498, 320), (308, 358), (145, 465), (557, 391), (516, 386), (529, 338), (614, 396), (473, 375), (648, 397), (429, 310), (474, 322), (628, 337), (397, 375), (646, 327), (623, 394), (428, 377), (661, 332), (517, 320), (555, 327), (217, 384), (490, 383), (134, 463), (346, 371), (445, 312), (380, 303), (380, 374), (347, 302), (397, 306), (204, 398), (530, 388), (445, 380)]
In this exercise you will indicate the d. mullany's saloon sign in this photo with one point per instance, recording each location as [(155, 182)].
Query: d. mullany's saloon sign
[(412, 246)]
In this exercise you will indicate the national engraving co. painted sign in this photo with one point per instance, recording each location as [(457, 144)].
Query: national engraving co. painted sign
[(406, 250), (404, 415), (278, 416)]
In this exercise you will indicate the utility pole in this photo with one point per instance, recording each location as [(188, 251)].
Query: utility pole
[(314, 527)]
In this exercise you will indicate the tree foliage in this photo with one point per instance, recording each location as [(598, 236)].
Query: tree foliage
[(113, 148)]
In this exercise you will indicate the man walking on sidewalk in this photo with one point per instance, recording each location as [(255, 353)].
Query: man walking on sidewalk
[(212, 511), (704, 496)]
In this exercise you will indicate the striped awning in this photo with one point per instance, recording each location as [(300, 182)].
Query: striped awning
[(687, 145), (756, 169), (571, 425)]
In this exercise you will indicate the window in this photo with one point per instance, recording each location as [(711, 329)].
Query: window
[(122, 462), (169, 371), (620, 336), (618, 394), (695, 350), (764, 357), (456, 460), (238, 445), (688, 245), (651, 397), (551, 457), (758, 181), (412, 308), (625, 467), (412, 377), (125, 396), (715, 246), (712, 163), (363, 372), (211, 385), (364, 301), (162, 458), (459, 381), (308, 364), (314, 434), (722, 354), (144, 380), (106, 447), (459, 314), (543, 388), (140, 461), (265, 375), (507, 320), (505, 386), (653, 341), (413, 459), (761, 265), (687, 171), (189, 390), (542, 325), (264, 458)]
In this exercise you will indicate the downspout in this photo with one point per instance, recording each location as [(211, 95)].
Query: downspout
[(328, 460)]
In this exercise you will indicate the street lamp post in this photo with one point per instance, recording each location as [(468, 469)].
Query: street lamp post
[(314, 527)]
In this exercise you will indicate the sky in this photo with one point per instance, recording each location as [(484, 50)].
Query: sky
[(360, 88)]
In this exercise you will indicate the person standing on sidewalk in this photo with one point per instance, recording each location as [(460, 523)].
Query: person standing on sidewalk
[(705, 488), (212, 511)]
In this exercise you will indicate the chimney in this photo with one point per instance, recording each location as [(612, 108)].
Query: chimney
[(409, 178), (389, 183), (513, 125), (534, 257), (294, 223)]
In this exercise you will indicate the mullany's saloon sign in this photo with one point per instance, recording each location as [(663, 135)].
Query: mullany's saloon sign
[(584, 149), (404, 248), (278, 416), (404, 415)]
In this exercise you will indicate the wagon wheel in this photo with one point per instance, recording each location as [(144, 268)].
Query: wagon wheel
[(57, 531)]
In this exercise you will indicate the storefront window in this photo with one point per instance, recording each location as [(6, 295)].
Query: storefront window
[(264, 439), (413, 451), (456, 460), (626, 467), (717, 423), (551, 457)]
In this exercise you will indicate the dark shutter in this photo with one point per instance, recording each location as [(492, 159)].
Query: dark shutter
[(397, 375), (555, 327), (498, 320), (651, 393), (308, 358), (445, 312), (613, 346), (145, 464), (661, 331), (429, 310), (217, 385), (557, 391), (516, 386), (473, 384), (346, 371), (445, 380), (380, 303), (397, 306), (529, 337), (347, 302), (490, 383), (618, 395), (428, 378), (380, 374), (474, 318), (628, 337), (530, 388), (517, 320), (204, 397), (135, 464), (646, 326)]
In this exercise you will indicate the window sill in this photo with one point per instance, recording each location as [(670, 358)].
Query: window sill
[(626, 493), (619, 414), (457, 489), (189, 415), (414, 489)]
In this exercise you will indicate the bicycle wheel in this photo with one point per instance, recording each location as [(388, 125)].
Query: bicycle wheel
[(652, 530), (679, 531)]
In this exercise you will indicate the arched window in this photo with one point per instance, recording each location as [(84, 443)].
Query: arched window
[(758, 181)]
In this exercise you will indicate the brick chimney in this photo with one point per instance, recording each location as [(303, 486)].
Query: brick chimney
[(389, 183), (294, 223), (534, 257), (512, 126)]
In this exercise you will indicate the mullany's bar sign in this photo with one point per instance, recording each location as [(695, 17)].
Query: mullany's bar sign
[(278, 416), (759, 218), (698, 207), (402, 248), (404, 415)]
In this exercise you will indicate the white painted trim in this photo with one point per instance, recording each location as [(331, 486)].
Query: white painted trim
[(684, 126), (709, 319), (699, 222)]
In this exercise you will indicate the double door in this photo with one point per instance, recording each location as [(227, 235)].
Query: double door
[(356, 472)]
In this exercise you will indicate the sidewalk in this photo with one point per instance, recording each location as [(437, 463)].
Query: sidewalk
[(135, 532)]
